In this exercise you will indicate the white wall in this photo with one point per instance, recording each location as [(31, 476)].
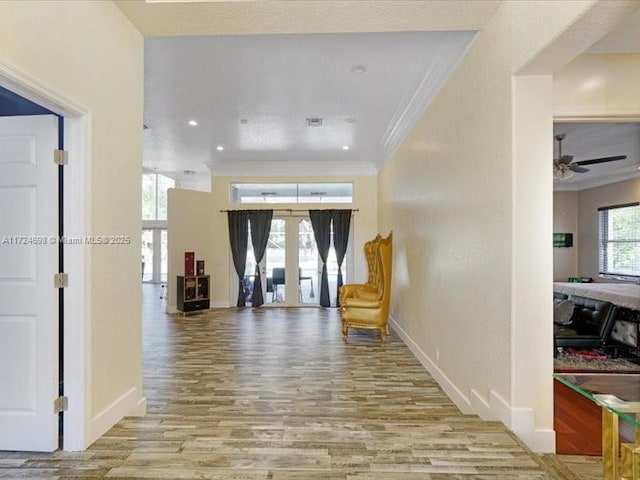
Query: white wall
[(598, 86), (190, 229), (89, 53), (565, 220)]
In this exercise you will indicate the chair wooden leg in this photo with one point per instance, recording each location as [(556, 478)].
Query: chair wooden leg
[(345, 332), (382, 333)]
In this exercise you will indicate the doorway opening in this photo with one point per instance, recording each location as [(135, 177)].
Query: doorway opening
[(154, 255)]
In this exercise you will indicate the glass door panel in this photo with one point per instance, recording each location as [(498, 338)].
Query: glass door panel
[(332, 273), (163, 256), (147, 255), (307, 263), (249, 271), (275, 265)]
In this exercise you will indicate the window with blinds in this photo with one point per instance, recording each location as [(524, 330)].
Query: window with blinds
[(619, 240)]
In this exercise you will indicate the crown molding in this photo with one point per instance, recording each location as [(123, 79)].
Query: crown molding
[(560, 186), (593, 113), (425, 90)]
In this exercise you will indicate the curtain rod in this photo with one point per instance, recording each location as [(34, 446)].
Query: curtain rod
[(291, 210)]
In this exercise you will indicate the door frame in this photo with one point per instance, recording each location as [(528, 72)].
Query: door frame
[(77, 214)]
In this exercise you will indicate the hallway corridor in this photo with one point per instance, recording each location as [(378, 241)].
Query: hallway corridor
[(275, 394)]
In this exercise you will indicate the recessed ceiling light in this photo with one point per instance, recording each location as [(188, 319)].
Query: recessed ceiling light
[(243, 121), (350, 120), (189, 172), (193, 123), (358, 69), (314, 122), (220, 148), (345, 147)]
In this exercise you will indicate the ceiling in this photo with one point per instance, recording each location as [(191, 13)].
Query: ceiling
[(251, 96), (624, 39), (252, 93), (595, 140)]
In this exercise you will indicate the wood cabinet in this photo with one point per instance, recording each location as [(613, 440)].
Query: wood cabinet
[(192, 293)]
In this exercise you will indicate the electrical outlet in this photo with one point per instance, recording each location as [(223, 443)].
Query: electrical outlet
[(437, 354)]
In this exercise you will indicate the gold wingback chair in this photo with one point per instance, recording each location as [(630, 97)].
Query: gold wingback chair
[(370, 288), (371, 310)]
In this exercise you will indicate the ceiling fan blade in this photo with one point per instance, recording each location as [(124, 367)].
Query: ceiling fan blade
[(575, 168), (600, 160)]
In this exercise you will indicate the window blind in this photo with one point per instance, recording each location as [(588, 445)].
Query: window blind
[(619, 240)]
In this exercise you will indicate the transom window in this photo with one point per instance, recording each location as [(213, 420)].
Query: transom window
[(619, 241), (291, 192)]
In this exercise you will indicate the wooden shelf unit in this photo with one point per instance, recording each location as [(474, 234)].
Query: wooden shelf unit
[(193, 293)]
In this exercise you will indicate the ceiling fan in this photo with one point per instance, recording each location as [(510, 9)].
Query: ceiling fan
[(564, 167)]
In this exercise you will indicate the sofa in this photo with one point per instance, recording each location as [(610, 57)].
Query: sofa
[(589, 326)]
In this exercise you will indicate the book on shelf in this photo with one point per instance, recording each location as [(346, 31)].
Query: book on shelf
[(199, 268), (190, 289), (189, 264)]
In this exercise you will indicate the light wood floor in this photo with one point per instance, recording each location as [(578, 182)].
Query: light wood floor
[(275, 394)]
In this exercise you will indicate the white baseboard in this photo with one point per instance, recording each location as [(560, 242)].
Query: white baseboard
[(520, 421), (140, 410), (540, 441), (461, 401), (482, 407), (127, 404)]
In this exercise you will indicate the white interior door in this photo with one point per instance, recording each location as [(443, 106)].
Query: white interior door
[(28, 299)]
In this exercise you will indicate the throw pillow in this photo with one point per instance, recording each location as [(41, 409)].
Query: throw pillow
[(562, 311)]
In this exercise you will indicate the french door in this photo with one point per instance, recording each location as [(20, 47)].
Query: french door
[(291, 267), (154, 255)]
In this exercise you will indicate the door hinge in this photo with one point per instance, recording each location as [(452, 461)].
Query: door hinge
[(60, 404), (61, 280), (60, 157)]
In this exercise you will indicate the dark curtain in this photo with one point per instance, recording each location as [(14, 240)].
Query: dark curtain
[(260, 227), (341, 225), (321, 223), (238, 235)]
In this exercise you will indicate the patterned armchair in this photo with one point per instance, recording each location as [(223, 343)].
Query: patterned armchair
[(367, 305)]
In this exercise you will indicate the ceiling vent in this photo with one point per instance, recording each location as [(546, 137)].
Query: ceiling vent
[(314, 122)]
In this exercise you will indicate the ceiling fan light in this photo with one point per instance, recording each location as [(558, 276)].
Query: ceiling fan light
[(560, 173)]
